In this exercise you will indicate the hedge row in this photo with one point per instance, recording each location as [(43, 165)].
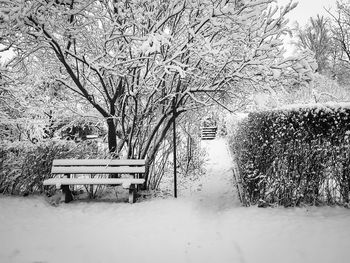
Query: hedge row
[(24, 165), (295, 156)]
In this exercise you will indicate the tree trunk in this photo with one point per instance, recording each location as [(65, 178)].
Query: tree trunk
[(112, 136)]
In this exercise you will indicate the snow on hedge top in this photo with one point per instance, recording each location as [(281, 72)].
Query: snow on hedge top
[(327, 106)]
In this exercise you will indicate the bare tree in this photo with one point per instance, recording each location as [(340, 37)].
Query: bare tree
[(316, 37), (340, 32)]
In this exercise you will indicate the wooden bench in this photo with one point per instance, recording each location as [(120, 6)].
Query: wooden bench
[(208, 133), (68, 167)]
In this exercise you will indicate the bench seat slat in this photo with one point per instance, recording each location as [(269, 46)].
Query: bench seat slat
[(88, 181), (98, 162), (96, 169)]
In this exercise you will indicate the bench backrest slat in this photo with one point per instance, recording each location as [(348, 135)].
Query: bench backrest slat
[(98, 162), (96, 169)]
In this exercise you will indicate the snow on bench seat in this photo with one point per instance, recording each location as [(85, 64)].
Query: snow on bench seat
[(96, 169), (99, 162), (125, 182)]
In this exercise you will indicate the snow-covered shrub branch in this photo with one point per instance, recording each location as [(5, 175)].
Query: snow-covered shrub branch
[(24, 165)]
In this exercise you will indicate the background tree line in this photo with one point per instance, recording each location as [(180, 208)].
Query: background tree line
[(329, 40)]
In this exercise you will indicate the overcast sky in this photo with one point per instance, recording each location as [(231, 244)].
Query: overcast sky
[(307, 9), (302, 13)]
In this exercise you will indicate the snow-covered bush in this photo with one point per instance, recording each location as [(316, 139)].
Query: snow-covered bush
[(24, 165), (322, 90), (296, 155)]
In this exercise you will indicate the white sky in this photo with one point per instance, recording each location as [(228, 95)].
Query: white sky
[(302, 13), (307, 9)]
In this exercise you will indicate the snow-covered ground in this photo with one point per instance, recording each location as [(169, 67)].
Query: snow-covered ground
[(205, 225)]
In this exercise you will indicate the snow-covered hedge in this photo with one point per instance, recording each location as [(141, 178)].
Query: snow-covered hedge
[(24, 165), (295, 155)]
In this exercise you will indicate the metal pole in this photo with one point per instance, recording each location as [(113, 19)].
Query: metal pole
[(174, 141)]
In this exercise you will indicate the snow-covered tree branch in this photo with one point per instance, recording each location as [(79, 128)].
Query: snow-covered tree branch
[(133, 61)]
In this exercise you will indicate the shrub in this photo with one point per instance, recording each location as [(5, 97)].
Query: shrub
[(24, 165), (295, 156)]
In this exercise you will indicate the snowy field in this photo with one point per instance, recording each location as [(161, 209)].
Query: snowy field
[(203, 225)]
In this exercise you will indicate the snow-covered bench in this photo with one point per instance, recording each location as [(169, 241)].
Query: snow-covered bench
[(208, 133), (67, 167)]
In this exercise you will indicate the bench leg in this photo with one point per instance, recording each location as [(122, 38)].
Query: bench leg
[(91, 192), (68, 196), (67, 193), (131, 194)]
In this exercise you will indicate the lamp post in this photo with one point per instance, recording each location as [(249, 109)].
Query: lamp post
[(174, 142)]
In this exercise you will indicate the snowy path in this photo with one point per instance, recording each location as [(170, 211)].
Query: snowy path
[(217, 191), (205, 226)]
